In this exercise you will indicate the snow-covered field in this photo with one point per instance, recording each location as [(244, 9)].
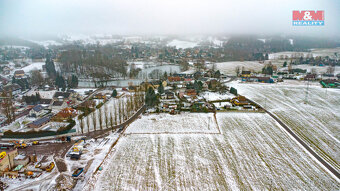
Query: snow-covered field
[(182, 44), (47, 43), (313, 52), (251, 153), (33, 66), (317, 122), (166, 123), (229, 67)]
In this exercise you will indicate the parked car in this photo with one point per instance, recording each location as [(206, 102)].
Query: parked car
[(77, 172)]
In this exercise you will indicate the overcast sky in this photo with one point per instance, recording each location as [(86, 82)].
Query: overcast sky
[(128, 17)]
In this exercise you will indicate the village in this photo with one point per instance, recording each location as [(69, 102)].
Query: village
[(39, 112)]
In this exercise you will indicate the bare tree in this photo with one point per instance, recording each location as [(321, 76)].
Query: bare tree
[(120, 111), (106, 116), (94, 121), (81, 124), (330, 69), (123, 110), (128, 108), (237, 70), (111, 121), (135, 100), (88, 123), (116, 114), (7, 106), (36, 77), (213, 68), (100, 116), (132, 105)]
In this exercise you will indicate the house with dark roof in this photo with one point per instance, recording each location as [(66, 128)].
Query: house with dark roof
[(58, 105), (39, 122), (45, 101), (36, 111), (310, 77), (19, 74), (265, 79), (245, 74), (61, 96)]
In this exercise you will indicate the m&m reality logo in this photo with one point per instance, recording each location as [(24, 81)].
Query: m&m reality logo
[(308, 18)]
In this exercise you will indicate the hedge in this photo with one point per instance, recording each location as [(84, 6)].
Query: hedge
[(36, 134)]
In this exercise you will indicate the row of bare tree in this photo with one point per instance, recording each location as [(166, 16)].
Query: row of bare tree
[(123, 108)]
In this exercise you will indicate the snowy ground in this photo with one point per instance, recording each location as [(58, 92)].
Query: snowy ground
[(168, 124), (43, 94), (252, 153), (229, 67), (317, 122), (214, 96), (44, 181), (82, 91), (33, 66), (93, 154)]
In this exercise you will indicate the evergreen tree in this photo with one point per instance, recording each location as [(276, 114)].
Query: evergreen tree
[(151, 98), (73, 82), (165, 75), (160, 88), (198, 85), (50, 67), (114, 93), (60, 82)]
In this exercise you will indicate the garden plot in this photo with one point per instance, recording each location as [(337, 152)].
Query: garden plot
[(317, 122), (252, 152), (177, 124), (214, 96)]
